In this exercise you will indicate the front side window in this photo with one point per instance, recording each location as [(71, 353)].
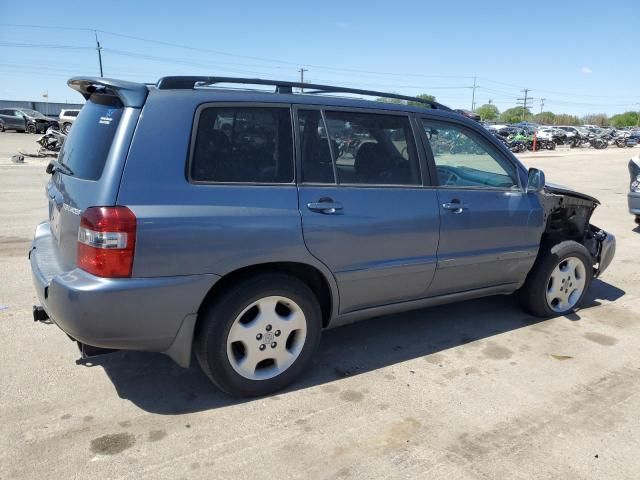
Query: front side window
[(373, 149), (462, 160), (243, 144)]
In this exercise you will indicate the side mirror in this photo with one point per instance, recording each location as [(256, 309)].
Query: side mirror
[(535, 180)]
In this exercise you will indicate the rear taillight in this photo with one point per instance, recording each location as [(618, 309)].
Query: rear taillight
[(106, 241)]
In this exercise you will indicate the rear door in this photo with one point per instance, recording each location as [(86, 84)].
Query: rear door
[(490, 228), (94, 155), (11, 120), (365, 213)]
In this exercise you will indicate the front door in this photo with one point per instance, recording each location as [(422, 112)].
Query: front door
[(365, 213), (490, 228)]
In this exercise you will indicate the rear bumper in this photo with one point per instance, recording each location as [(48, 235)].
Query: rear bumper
[(127, 314), (633, 199)]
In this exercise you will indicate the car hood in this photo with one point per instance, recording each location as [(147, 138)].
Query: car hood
[(45, 119), (562, 190)]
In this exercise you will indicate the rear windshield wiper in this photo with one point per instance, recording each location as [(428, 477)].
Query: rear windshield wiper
[(56, 166)]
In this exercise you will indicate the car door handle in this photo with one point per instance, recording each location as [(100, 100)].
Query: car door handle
[(455, 207), (327, 208)]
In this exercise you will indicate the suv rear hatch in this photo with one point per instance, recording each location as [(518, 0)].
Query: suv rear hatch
[(88, 170)]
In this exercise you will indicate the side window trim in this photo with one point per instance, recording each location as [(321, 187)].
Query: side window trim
[(336, 179), (491, 149), (194, 134), (298, 142)]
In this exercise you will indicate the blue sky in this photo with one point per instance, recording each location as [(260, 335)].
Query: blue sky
[(582, 57)]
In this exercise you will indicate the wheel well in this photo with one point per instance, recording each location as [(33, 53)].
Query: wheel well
[(310, 275), (571, 222)]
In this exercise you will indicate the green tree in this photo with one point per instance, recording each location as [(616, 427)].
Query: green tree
[(545, 118), (626, 119), (395, 101), (423, 96), (514, 115), (488, 111), (566, 119), (598, 119)]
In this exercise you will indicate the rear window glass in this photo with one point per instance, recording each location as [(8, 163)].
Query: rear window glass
[(86, 149), (238, 144)]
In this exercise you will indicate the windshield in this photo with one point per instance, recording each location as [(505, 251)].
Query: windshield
[(32, 113), (86, 149)]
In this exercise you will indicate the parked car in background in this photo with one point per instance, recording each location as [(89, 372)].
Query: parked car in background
[(26, 120), (66, 119), (249, 240), (634, 188)]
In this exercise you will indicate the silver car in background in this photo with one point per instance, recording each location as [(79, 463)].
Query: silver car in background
[(634, 188), (66, 119)]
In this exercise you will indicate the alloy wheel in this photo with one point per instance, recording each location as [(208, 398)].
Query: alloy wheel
[(566, 284), (266, 338)]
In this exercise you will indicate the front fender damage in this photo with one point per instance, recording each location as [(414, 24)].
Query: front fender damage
[(567, 215)]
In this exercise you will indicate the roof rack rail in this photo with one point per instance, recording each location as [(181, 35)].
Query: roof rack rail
[(189, 82)]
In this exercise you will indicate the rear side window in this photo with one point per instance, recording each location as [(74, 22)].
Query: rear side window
[(243, 145), (86, 149), (373, 149)]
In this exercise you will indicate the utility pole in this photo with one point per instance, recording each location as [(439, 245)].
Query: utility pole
[(523, 101), (473, 95), (99, 49), (302, 70), (542, 104)]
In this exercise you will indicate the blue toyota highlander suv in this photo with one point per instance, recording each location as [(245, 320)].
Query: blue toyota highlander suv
[(235, 225)]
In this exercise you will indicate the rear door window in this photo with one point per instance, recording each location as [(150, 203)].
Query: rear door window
[(87, 147), (243, 145), (373, 149)]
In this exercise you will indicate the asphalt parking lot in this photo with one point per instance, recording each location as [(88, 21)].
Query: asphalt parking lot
[(476, 390)]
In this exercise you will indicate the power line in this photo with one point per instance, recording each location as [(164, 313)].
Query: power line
[(43, 45)]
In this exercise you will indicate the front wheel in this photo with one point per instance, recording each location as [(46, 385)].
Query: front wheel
[(66, 128), (31, 128), (558, 281), (259, 335)]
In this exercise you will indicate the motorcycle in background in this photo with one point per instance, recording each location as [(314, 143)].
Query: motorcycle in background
[(51, 142)]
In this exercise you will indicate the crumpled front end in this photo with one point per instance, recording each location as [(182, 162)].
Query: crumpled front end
[(568, 215)]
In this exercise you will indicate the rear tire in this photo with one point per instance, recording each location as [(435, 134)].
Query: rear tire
[(259, 335), (558, 281)]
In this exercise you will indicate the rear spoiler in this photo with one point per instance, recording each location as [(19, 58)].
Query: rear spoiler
[(130, 93)]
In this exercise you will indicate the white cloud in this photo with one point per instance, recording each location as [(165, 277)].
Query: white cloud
[(586, 70)]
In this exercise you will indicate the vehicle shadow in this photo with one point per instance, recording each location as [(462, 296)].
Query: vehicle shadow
[(155, 384)]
